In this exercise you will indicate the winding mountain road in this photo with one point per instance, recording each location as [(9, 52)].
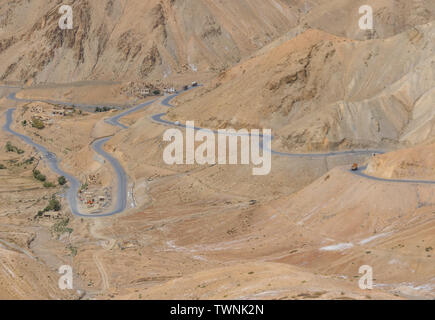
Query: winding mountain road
[(361, 173), (97, 146), (166, 102), (121, 176)]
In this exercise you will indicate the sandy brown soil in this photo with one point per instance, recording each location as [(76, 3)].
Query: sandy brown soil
[(188, 220), (218, 232)]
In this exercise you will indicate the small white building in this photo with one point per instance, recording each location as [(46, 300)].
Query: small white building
[(144, 92)]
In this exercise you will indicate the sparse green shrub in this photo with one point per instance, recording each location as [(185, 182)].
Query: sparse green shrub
[(28, 161), (102, 109), (54, 205), (2, 167), (37, 123), (62, 180), (48, 184), (61, 226), (73, 250), (39, 176), (11, 148)]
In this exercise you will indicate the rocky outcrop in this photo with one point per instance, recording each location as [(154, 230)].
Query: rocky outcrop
[(135, 39)]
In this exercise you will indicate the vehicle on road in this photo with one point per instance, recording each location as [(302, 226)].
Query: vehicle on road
[(355, 167)]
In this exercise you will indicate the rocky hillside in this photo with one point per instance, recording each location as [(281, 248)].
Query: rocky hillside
[(412, 163), (134, 39), (318, 91), (155, 39), (390, 17)]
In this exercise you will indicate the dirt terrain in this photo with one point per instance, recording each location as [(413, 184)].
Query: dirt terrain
[(133, 39), (301, 68), (316, 97)]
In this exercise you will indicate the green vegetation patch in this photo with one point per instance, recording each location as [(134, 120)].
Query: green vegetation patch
[(62, 226), (11, 148), (39, 176), (102, 109), (48, 184), (62, 180), (37, 123)]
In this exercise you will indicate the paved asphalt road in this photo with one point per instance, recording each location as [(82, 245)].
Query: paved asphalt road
[(97, 145), (115, 120), (121, 176), (361, 173), (158, 118)]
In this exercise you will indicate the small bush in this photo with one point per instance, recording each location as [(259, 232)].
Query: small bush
[(37, 123), (49, 184), (11, 148), (156, 92), (62, 180), (39, 176), (2, 167), (61, 226), (73, 250), (102, 109), (29, 161), (53, 205)]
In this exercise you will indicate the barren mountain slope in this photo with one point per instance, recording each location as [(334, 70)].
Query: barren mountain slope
[(261, 280), (23, 277), (413, 163), (390, 17), (320, 92), (303, 231), (134, 38), (388, 226), (330, 229), (26, 246)]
